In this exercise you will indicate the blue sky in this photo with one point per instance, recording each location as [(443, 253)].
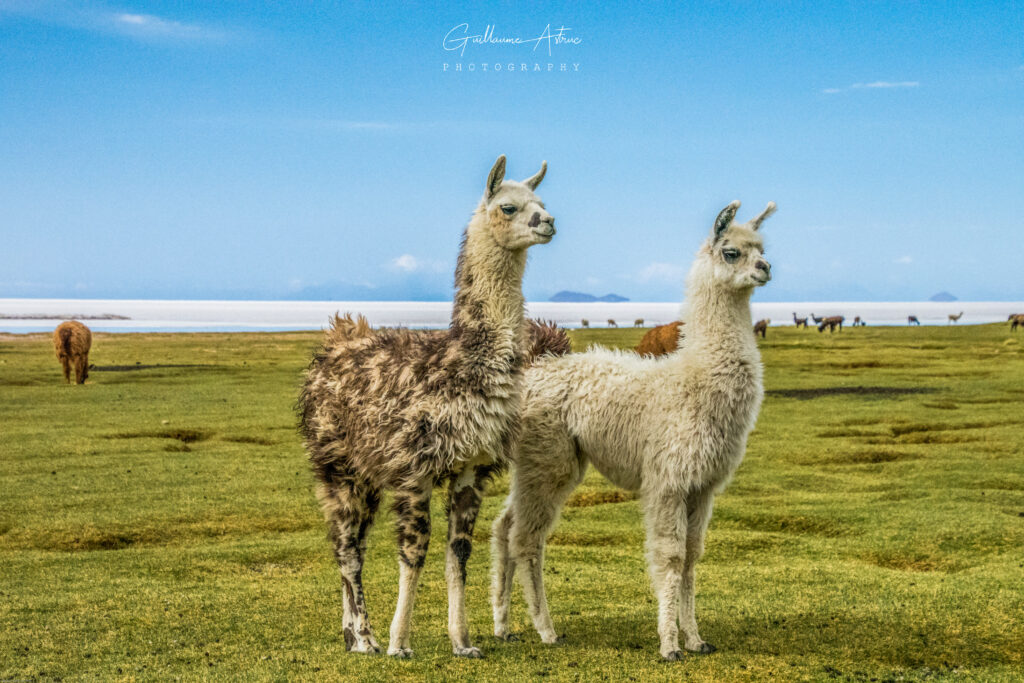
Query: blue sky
[(279, 150)]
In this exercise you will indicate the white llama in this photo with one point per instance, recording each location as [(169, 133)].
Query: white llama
[(673, 428)]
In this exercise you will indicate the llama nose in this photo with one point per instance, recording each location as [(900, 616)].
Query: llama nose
[(764, 265)]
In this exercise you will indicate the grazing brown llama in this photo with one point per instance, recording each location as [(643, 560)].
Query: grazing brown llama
[(660, 340), (912, 320), (407, 410), (761, 327), (71, 341), (831, 323), (1016, 320), (612, 323), (857, 322), (584, 323), (955, 318), (639, 322), (800, 322)]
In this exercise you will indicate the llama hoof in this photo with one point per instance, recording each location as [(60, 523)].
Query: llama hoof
[(703, 649), (468, 652), (674, 656), (508, 637), (401, 653), (362, 643)]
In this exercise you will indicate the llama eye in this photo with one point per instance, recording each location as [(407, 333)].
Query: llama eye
[(508, 209), (731, 255)]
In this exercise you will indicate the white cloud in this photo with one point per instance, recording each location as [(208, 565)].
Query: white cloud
[(904, 260), (874, 85), (151, 26), (887, 84), (661, 271), (406, 262)]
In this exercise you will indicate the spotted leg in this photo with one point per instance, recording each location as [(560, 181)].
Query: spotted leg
[(412, 510), (465, 494)]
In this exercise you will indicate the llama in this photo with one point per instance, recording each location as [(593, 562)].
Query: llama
[(831, 323), (857, 322), (402, 410), (800, 322), (639, 322), (585, 323), (612, 323), (912, 320), (1016, 320), (817, 321), (761, 327), (672, 428), (953, 319), (72, 341), (660, 340)]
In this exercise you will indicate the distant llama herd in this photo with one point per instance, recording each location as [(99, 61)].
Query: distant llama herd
[(405, 411)]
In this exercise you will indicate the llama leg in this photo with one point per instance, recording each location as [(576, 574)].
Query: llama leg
[(666, 520), (66, 363), (80, 370), (549, 468), (464, 497), (699, 514), (349, 507), (412, 509), (503, 573)]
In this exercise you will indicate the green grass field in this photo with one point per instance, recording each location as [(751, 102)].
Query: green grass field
[(159, 523)]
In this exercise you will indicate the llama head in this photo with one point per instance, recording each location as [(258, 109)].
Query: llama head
[(734, 252), (515, 215)]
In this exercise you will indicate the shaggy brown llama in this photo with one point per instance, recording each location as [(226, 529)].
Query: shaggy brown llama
[(800, 322), (761, 327), (545, 337), (71, 341), (407, 410), (612, 323), (831, 323), (660, 340), (912, 320), (639, 322), (584, 323), (1016, 320), (955, 318)]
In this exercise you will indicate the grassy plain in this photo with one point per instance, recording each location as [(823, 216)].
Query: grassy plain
[(158, 523)]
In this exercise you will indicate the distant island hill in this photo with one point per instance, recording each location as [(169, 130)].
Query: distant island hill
[(942, 296), (566, 296)]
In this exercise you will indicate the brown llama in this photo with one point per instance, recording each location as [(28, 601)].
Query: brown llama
[(404, 410), (857, 322), (585, 323), (660, 340), (612, 323), (912, 320), (761, 327), (71, 341), (817, 320), (639, 322), (831, 323), (800, 322), (955, 318), (1016, 320)]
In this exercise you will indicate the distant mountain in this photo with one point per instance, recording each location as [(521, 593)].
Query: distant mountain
[(566, 296), (942, 296)]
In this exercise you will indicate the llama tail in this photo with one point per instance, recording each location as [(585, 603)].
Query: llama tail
[(546, 337), (65, 342), (346, 329)]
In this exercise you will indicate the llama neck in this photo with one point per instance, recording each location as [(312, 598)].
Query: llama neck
[(488, 286), (718, 319)]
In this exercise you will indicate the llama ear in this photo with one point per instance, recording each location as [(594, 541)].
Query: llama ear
[(768, 211), (495, 177), (724, 219), (533, 181)]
